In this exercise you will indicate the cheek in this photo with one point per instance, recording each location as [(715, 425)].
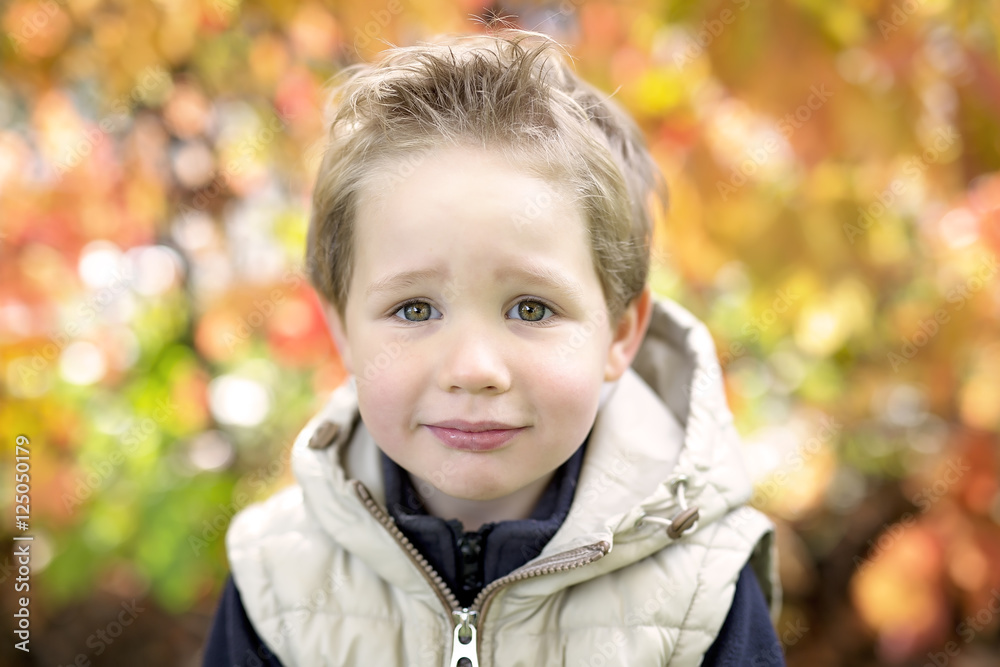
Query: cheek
[(568, 388), (571, 368), (382, 402), (583, 347), (384, 366)]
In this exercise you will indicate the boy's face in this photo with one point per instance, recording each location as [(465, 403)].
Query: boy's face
[(481, 233)]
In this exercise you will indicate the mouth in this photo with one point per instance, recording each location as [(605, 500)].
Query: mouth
[(474, 436)]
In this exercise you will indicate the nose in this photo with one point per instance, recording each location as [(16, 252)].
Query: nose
[(473, 361)]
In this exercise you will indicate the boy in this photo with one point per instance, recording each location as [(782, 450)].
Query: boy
[(516, 472)]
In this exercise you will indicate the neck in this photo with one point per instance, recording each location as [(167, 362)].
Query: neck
[(474, 514)]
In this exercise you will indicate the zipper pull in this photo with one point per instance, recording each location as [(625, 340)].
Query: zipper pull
[(463, 650)]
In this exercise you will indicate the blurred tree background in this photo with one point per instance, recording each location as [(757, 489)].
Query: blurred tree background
[(835, 219)]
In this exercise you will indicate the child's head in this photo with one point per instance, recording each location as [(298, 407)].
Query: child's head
[(481, 237), (513, 93)]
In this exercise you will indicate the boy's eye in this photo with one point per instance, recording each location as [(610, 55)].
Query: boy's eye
[(530, 311), (419, 310)]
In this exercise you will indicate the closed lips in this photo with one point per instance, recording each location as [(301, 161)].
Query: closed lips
[(475, 427)]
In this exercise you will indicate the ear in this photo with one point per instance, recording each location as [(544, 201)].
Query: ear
[(337, 329), (628, 335)]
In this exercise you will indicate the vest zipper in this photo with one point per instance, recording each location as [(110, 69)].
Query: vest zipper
[(464, 645), (466, 619), (561, 562), (440, 588)]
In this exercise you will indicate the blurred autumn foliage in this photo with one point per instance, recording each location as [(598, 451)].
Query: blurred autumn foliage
[(835, 219)]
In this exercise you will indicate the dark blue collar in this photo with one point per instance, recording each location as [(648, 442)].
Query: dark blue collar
[(467, 561)]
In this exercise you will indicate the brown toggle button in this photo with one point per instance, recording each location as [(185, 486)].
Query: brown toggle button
[(324, 435), (682, 522)]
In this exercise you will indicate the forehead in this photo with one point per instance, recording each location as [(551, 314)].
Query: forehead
[(464, 187), (460, 208), (440, 172)]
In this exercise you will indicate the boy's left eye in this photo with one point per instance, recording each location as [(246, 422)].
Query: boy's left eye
[(533, 312)]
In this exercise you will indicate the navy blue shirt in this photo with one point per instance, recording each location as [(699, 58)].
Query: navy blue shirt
[(469, 560)]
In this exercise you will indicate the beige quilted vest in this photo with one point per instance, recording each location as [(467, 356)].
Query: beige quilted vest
[(630, 578)]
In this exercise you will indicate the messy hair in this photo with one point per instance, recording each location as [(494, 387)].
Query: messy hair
[(511, 92)]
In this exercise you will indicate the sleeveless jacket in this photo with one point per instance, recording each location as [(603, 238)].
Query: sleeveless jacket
[(641, 572)]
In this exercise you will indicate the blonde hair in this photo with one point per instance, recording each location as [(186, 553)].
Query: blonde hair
[(512, 92)]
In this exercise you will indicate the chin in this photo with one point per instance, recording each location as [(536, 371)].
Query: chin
[(482, 491)]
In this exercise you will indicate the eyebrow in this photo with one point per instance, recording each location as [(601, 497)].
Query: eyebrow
[(539, 276), (402, 280)]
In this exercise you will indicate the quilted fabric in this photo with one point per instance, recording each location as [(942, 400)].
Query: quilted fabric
[(324, 583)]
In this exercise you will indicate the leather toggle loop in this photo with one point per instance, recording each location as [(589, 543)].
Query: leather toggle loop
[(683, 522), (686, 519), (324, 435)]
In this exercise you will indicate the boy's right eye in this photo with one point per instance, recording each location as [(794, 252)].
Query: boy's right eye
[(419, 310)]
